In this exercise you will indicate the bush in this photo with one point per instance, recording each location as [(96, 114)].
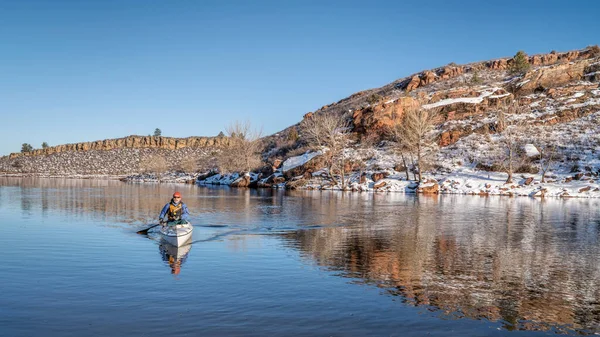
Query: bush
[(293, 135), (595, 50), (374, 99), (526, 168), (520, 63)]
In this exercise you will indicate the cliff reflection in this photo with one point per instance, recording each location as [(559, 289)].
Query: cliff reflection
[(532, 264), (117, 202)]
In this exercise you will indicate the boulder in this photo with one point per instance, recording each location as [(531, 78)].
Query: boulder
[(377, 176), (243, 181), (379, 185), (429, 187)]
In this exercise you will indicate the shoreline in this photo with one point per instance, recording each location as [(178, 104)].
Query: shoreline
[(460, 183)]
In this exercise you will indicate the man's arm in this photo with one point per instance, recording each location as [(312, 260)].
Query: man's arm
[(185, 214), (164, 211)]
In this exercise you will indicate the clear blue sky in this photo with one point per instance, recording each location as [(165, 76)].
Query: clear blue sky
[(73, 71)]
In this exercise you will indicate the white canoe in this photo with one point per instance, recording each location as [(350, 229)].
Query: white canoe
[(177, 235)]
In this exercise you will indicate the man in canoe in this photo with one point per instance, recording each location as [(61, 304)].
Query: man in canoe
[(176, 211)]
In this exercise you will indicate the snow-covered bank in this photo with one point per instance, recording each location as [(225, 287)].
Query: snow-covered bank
[(462, 180)]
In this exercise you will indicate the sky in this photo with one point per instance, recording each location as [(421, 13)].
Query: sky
[(76, 71)]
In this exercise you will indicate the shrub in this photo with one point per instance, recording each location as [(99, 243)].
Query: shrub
[(374, 99), (293, 135), (526, 168)]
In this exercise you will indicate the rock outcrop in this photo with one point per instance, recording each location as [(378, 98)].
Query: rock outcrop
[(131, 142)]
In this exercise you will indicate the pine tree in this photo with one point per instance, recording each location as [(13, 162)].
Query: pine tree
[(157, 132), (44, 145), (26, 147), (520, 63), (475, 79)]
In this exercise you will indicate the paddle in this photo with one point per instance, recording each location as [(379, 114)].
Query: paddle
[(145, 231)]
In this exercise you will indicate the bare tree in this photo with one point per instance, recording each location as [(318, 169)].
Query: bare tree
[(155, 164), (413, 136), (510, 129), (548, 154), (243, 153), (189, 164), (330, 133)]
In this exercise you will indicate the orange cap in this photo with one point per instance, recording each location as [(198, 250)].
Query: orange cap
[(177, 194)]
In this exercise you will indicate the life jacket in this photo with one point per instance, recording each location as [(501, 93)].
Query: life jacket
[(175, 211)]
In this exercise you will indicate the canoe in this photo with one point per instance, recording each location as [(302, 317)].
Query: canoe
[(177, 235)]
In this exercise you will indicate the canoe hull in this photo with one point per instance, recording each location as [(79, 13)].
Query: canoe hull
[(177, 235)]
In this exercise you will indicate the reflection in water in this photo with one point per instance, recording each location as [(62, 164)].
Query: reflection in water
[(174, 256), (532, 264)]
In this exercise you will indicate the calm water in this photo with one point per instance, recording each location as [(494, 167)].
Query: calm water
[(274, 263)]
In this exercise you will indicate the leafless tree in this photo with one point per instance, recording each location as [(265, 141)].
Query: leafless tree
[(413, 135), (548, 154), (155, 164), (510, 129), (243, 153), (189, 164), (330, 133)]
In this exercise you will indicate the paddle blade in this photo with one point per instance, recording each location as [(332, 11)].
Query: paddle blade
[(145, 231)]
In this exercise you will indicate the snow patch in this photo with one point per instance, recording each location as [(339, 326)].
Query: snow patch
[(294, 162), (469, 100), (531, 150)]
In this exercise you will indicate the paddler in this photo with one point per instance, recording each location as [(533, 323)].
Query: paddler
[(176, 211)]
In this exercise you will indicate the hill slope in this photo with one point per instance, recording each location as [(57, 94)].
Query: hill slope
[(559, 98)]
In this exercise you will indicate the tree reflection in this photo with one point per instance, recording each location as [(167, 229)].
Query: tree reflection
[(528, 264)]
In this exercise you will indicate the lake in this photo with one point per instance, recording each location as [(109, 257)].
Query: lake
[(293, 263)]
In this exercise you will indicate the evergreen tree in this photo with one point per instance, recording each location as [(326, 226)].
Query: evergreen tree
[(157, 132), (44, 145), (520, 63), (26, 147), (221, 134), (475, 79)]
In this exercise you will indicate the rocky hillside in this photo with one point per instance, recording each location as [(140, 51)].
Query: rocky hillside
[(117, 157), (558, 95), (558, 120)]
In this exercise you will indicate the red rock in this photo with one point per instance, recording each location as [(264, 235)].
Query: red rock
[(242, 181), (585, 189), (414, 83), (377, 176), (528, 181), (429, 188), (379, 185)]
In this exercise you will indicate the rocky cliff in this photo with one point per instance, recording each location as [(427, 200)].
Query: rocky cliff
[(131, 142)]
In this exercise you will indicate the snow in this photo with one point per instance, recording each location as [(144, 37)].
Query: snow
[(596, 92), (578, 94), (520, 84), (469, 100), (294, 162), (531, 150), (593, 101), (500, 96)]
